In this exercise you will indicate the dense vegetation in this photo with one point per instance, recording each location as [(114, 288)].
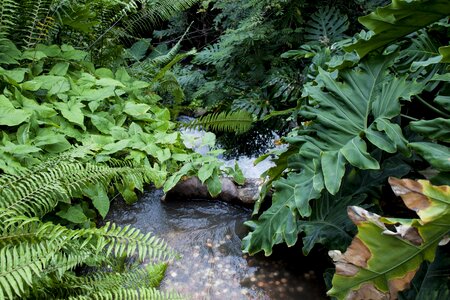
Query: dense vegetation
[(90, 95)]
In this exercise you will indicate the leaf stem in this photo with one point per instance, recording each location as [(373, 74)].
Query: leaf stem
[(409, 117), (432, 107)]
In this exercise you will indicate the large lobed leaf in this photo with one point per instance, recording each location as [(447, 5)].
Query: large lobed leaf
[(399, 19), (387, 252), (348, 113)]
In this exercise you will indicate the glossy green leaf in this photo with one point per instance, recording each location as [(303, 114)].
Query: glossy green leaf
[(437, 155), (99, 197), (277, 224), (333, 169), (214, 184), (205, 172), (73, 214), (436, 129), (399, 19), (355, 151)]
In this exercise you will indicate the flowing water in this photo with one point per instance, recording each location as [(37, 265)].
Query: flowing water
[(208, 236)]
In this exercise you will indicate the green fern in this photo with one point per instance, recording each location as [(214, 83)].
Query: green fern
[(131, 294), (152, 12), (8, 13), (38, 191), (326, 26), (37, 259), (238, 122)]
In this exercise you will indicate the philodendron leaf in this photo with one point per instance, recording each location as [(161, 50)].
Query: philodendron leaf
[(349, 111), (436, 129), (399, 19), (386, 253), (437, 155)]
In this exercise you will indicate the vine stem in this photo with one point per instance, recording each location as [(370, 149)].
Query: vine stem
[(432, 107)]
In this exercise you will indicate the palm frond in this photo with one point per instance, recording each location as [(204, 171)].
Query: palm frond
[(238, 122)]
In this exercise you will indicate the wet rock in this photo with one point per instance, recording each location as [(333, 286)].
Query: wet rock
[(192, 188)]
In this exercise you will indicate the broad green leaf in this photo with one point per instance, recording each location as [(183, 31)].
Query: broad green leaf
[(109, 82), (360, 103), (368, 270), (53, 84), (59, 69), (43, 110), (51, 142), (437, 155), (355, 152), (436, 129), (328, 224), (73, 214), (214, 184), (69, 53), (19, 149), (72, 112), (136, 109), (237, 174), (205, 172), (99, 198), (49, 50), (115, 147), (176, 177), (333, 169), (33, 55), (102, 123), (276, 225), (15, 75), (9, 115), (399, 19)]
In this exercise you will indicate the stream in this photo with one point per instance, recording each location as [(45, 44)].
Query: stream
[(207, 234)]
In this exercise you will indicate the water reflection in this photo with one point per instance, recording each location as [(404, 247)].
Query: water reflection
[(207, 235)]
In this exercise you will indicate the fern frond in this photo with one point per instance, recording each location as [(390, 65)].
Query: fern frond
[(36, 192), (107, 281), (238, 122), (130, 294), (154, 12), (35, 14), (8, 16), (128, 240), (20, 264), (326, 26)]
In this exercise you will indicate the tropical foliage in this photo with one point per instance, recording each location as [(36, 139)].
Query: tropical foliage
[(42, 259), (358, 111)]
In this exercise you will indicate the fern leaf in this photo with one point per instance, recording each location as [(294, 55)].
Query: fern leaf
[(20, 264), (153, 12), (238, 122), (8, 12), (38, 191), (326, 26), (130, 294), (127, 240)]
